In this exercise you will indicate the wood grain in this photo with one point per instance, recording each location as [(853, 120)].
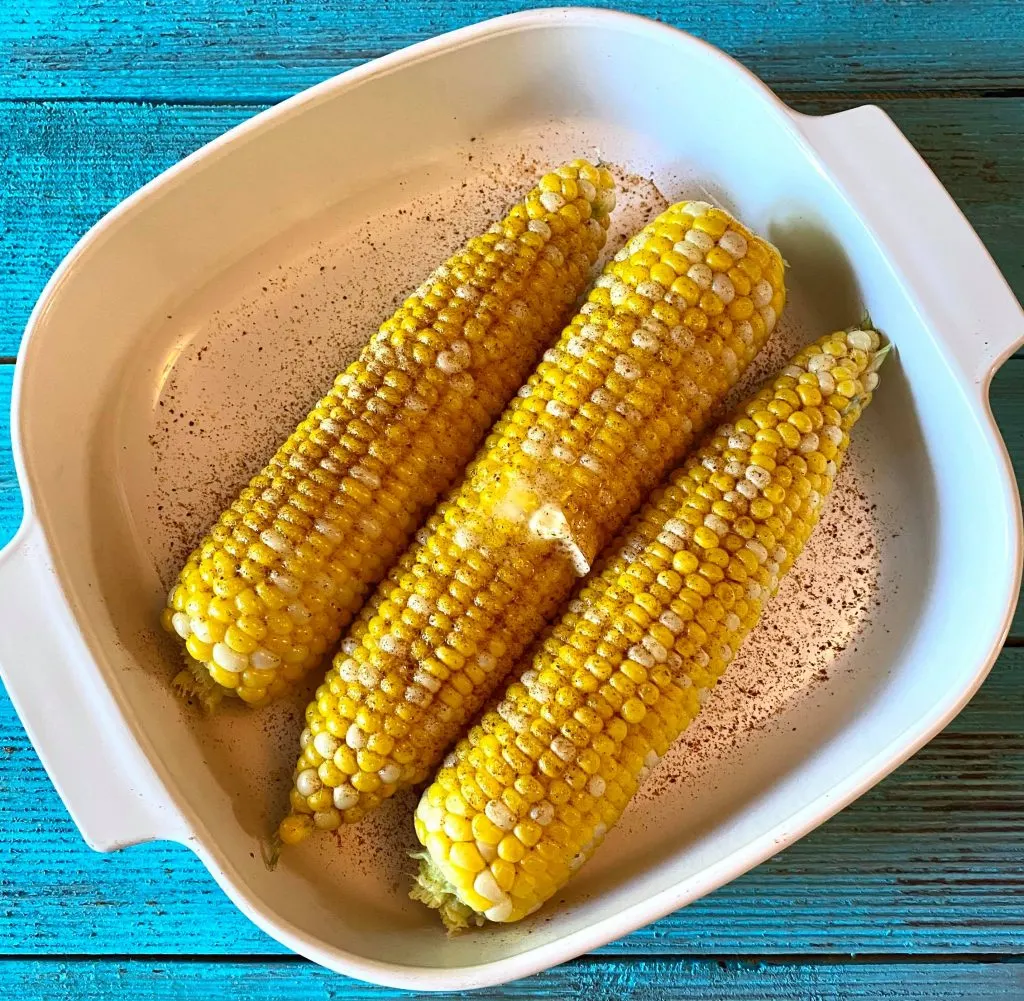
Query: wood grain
[(593, 979), (10, 497), (72, 162), (202, 49)]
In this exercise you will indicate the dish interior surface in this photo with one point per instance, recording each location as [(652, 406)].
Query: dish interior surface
[(207, 322)]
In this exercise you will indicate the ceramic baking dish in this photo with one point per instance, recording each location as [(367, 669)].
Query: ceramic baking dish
[(197, 321)]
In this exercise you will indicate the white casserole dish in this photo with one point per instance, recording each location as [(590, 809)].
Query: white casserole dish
[(168, 279)]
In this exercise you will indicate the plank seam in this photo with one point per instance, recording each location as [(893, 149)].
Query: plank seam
[(591, 959), (262, 101)]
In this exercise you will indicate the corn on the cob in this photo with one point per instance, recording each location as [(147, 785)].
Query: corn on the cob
[(281, 573), (664, 335), (529, 793)]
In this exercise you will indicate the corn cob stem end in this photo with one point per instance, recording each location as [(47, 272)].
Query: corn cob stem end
[(434, 890), (194, 684), (880, 355), (270, 850)]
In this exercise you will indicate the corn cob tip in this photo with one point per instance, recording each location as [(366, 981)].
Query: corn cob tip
[(194, 684), (433, 889)]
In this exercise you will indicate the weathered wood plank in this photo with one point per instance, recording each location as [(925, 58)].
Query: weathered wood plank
[(71, 162), (67, 165), (597, 979), (198, 49), (1007, 399), (10, 497)]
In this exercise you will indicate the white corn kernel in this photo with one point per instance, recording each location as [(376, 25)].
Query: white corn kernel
[(564, 748), (285, 583), (501, 911), (500, 815), (326, 744), (651, 290), (276, 541), (689, 250), (426, 680), (641, 656), (487, 886), (645, 340), (745, 487), (627, 368), (552, 200), (759, 476), (369, 676), (859, 339), (734, 244), (655, 649), (226, 659), (389, 774), (723, 287), (700, 240), (392, 645), (307, 782), (542, 813), (701, 275)]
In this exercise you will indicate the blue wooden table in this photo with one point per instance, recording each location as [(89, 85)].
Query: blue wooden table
[(916, 891)]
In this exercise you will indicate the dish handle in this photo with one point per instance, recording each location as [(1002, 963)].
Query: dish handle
[(935, 248), (101, 774)]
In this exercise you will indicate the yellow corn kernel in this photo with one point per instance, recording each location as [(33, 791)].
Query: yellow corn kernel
[(467, 856)]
